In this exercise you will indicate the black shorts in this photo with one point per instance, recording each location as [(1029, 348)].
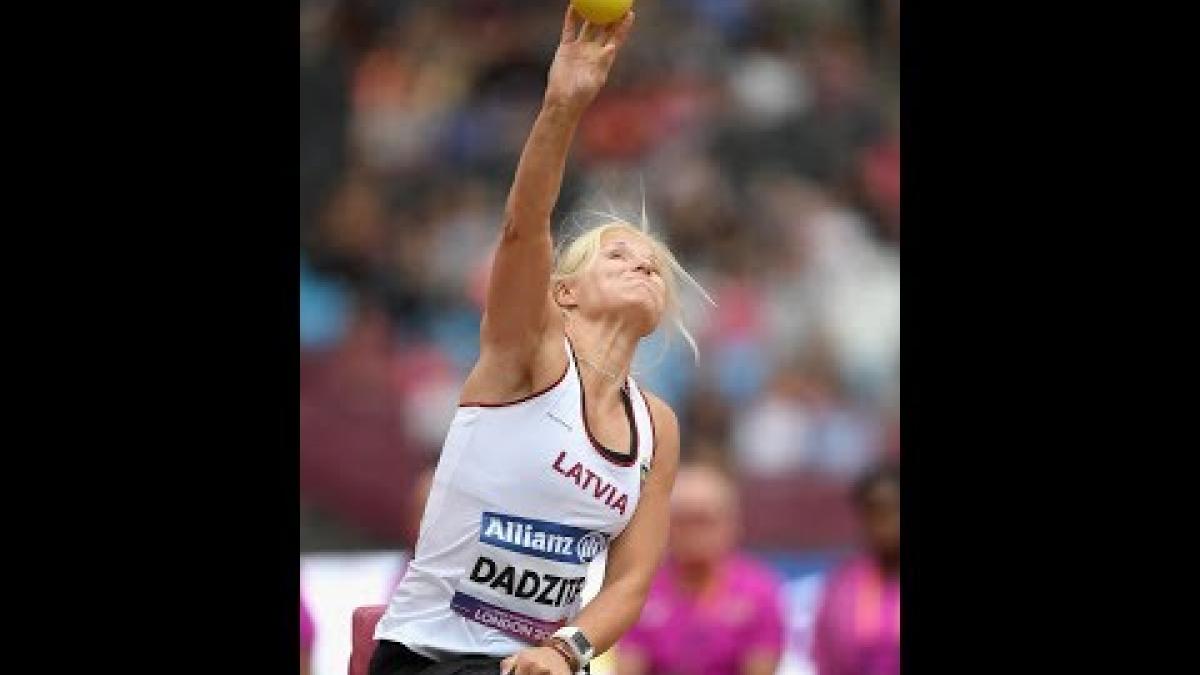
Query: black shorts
[(393, 658)]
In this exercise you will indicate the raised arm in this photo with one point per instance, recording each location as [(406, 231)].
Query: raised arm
[(518, 302)]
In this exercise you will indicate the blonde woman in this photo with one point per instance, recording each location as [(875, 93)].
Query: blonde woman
[(555, 455)]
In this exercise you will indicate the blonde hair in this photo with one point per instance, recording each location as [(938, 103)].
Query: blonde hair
[(582, 250)]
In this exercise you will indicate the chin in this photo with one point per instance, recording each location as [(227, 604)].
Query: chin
[(648, 319), (640, 312)]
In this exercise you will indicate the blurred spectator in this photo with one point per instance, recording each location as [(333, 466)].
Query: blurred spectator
[(697, 199), (846, 437), (768, 89), (621, 125), (711, 610), (707, 418), (428, 386), (857, 281), (737, 333), (308, 635), (880, 178), (891, 439), (324, 110), (352, 231), (366, 358), (858, 624), (405, 87), (774, 435)]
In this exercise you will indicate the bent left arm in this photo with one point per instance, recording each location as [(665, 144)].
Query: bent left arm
[(634, 556)]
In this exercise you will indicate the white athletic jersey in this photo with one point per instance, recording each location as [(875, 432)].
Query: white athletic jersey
[(523, 499)]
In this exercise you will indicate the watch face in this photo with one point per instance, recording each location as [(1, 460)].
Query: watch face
[(581, 642)]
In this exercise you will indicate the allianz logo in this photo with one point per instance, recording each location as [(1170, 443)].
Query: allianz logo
[(550, 540), (590, 545)]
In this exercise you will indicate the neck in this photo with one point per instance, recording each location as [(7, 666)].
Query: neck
[(605, 354), (697, 576)]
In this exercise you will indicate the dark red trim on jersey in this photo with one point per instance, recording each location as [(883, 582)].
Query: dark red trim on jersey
[(618, 458), (653, 433), (473, 404)]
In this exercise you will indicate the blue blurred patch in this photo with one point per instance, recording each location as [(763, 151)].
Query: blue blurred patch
[(742, 368), (666, 367), (324, 309), (456, 332), (795, 565)]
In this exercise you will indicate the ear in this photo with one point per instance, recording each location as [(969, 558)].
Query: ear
[(564, 295)]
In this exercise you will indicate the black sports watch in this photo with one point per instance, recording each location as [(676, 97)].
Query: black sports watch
[(578, 643)]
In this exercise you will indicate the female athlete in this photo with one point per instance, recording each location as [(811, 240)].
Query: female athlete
[(555, 455)]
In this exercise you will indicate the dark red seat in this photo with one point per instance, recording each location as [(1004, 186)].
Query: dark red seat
[(363, 637)]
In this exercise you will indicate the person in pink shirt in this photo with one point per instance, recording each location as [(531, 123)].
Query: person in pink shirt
[(711, 610), (857, 630)]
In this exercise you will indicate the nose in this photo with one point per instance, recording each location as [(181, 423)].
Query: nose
[(642, 265)]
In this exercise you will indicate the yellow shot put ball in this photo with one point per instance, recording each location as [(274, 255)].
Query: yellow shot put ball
[(602, 12)]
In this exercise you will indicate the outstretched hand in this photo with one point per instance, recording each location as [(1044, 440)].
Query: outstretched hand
[(585, 54)]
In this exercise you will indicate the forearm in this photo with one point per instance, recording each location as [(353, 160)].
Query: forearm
[(611, 613), (634, 556), (540, 170)]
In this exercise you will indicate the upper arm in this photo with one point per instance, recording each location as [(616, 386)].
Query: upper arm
[(636, 553), (518, 293), (520, 336)]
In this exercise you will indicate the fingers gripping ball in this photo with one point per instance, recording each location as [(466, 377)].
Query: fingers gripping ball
[(602, 12)]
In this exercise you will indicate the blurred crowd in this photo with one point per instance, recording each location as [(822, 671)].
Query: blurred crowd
[(762, 136)]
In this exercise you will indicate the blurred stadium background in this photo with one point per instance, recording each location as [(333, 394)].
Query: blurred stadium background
[(765, 134)]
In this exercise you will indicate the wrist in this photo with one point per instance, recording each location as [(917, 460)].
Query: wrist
[(560, 647), (576, 643), (559, 109)]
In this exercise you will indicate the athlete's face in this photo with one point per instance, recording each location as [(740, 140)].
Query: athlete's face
[(626, 276)]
